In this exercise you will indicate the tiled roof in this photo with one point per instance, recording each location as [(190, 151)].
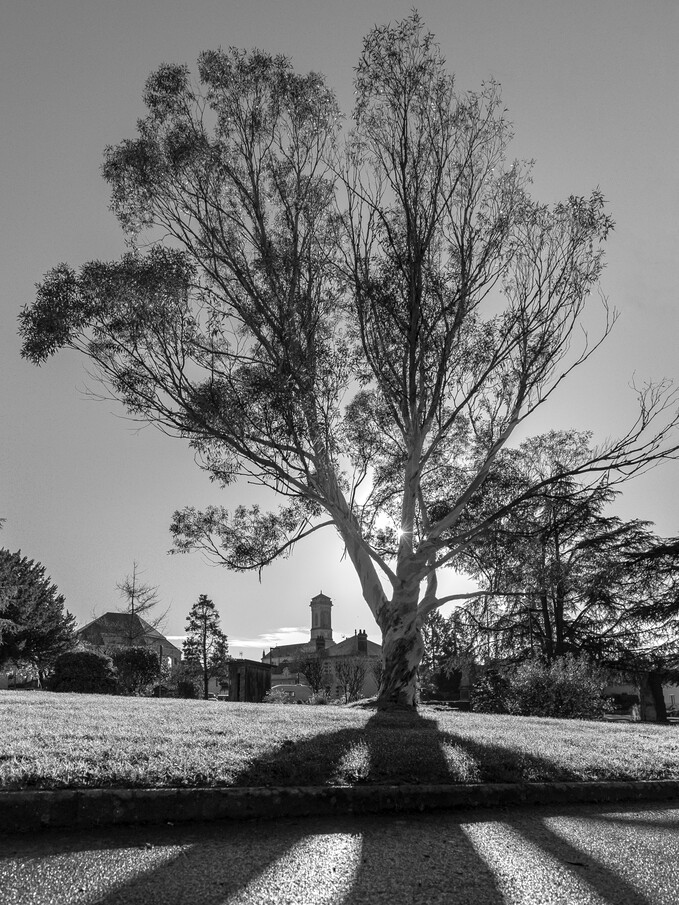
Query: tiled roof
[(107, 628), (291, 650), (346, 648), (349, 648)]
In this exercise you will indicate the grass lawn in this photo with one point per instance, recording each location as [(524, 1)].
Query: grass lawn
[(50, 740)]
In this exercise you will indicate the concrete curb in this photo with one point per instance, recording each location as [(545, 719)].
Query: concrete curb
[(87, 808)]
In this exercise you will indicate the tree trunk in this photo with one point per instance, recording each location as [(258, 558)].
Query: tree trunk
[(559, 596), (548, 641), (544, 605), (652, 700), (402, 650), (655, 686)]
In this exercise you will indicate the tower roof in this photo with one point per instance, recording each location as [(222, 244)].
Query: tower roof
[(321, 598)]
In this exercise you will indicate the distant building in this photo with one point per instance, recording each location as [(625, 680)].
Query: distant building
[(13, 675), (357, 649), (127, 630), (248, 680)]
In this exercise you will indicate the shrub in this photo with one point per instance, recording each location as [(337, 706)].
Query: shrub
[(489, 693), (186, 689), (319, 698), (84, 671), (184, 680), (278, 697), (569, 687), (138, 668)]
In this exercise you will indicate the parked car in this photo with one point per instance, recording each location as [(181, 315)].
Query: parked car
[(300, 694)]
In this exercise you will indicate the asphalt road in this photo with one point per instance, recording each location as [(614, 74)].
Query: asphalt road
[(588, 854)]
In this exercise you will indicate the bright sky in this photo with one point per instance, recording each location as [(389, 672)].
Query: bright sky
[(591, 86)]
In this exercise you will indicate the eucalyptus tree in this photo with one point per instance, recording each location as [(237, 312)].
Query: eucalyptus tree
[(360, 325)]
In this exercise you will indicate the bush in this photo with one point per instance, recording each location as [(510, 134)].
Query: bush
[(569, 687), (84, 671), (319, 698), (138, 668), (184, 680), (278, 697), (186, 689), (489, 693)]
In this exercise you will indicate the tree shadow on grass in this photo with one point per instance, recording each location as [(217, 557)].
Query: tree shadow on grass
[(395, 748)]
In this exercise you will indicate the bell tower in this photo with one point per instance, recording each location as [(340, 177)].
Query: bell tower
[(321, 620)]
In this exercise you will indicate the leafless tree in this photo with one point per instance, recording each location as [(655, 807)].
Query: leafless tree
[(312, 669), (139, 599), (350, 673)]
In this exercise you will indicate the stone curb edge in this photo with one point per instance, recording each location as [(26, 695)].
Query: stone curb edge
[(26, 811)]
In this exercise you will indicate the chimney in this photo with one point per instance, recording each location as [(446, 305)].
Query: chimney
[(362, 642)]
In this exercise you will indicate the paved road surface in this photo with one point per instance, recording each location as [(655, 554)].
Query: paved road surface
[(611, 854)]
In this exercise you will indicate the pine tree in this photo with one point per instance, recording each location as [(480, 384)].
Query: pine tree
[(206, 644)]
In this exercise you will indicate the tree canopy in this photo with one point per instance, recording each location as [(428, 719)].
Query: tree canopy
[(137, 669), (34, 626), (84, 671), (360, 322), (562, 576)]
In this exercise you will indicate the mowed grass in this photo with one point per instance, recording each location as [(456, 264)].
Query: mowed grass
[(50, 741)]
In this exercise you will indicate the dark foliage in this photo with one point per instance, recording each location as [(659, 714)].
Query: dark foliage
[(489, 693), (34, 627), (84, 671), (137, 668), (206, 647), (566, 688)]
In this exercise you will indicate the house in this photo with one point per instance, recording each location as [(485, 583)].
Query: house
[(127, 630), (355, 655)]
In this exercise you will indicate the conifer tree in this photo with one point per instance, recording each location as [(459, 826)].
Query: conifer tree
[(34, 627), (206, 646)]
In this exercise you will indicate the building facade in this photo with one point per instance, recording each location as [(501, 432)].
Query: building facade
[(355, 660), (112, 630)]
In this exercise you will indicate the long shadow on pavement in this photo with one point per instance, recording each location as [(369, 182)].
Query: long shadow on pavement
[(600, 877)]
